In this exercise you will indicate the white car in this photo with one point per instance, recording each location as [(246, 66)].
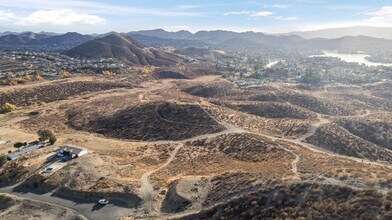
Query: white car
[(103, 202), (48, 170)]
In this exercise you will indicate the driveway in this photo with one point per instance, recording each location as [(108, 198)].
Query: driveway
[(90, 209)]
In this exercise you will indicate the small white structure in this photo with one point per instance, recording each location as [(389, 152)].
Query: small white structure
[(73, 151), (33, 146)]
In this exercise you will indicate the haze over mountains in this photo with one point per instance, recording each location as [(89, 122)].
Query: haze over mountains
[(329, 39), (43, 41), (376, 32)]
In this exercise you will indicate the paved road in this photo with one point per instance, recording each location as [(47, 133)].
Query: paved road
[(89, 209)]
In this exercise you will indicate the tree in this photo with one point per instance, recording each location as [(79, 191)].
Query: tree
[(27, 78), (19, 144), (44, 135), (52, 140), (311, 77), (3, 160), (64, 74), (38, 78), (7, 107)]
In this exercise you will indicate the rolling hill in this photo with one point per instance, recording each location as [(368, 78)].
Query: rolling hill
[(349, 43), (124, 49), (163, 34), (19, 39), (331, 33)]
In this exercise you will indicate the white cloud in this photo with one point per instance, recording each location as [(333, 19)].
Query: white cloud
[(59, 17), (186, 7), (281, 6), (292, 18), (238, 13), (250, 13), (380, 17), (6, 15), (262, 14), (91, 7)]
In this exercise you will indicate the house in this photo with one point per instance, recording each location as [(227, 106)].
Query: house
[(73, 151), (26, 150)]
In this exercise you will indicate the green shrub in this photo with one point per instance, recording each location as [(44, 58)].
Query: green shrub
[(7, 107), (19, 144), (3, 160), (44, 135), (52, 140)]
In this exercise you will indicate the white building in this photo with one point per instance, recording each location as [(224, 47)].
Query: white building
[(73, 151)]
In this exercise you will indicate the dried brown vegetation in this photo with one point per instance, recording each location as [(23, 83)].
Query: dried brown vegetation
[(303, 201), (55, 91), (153, 121)]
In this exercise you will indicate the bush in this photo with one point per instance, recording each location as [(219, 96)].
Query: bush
[(311, 77), (44, 135), (27, 78), (52, 140), (65, 74), (20, 144), (146, 70), (107, 73), (3, 160), (20, 80), (7, 107), (38, 78)]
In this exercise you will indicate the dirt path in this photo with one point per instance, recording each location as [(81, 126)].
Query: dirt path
[(312, 130), (230, 129), (148, 193)]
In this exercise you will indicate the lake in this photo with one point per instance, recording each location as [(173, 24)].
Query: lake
[(354, 58)]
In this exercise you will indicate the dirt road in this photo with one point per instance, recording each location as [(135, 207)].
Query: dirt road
[(148, 193)]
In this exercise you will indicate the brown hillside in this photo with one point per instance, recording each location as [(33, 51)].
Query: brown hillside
[(124, 49)]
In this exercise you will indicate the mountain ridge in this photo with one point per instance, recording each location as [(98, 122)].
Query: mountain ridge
[(125, 49)]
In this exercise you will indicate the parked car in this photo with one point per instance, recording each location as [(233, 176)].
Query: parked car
[(48, 170), (103, 202), (60, 154)]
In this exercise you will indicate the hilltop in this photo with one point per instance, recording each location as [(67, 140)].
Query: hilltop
[(124, 49)]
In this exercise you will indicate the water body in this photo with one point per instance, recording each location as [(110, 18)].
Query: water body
[(353, 58)]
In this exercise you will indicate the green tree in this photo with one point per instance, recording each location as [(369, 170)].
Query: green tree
[(52, 140), (19, 144), (44, 135), (3, 160), (311, 77), (7, 107)]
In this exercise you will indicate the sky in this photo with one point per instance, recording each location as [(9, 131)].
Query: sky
[(269, 16)]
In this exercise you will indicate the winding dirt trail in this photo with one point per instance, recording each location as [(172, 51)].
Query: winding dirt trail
[(148, 193), (312, 130)]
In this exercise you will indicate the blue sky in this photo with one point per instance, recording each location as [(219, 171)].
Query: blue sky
[(88, 16)]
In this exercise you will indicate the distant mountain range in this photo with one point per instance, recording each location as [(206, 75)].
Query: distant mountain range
[(43, 40), (164, 34), (349, 43), (158, 41), (227, 40), (331, 33), (125, 49), (17, 33)]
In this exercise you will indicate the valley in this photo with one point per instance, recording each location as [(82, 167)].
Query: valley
[(204, 144), (103, 118)]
